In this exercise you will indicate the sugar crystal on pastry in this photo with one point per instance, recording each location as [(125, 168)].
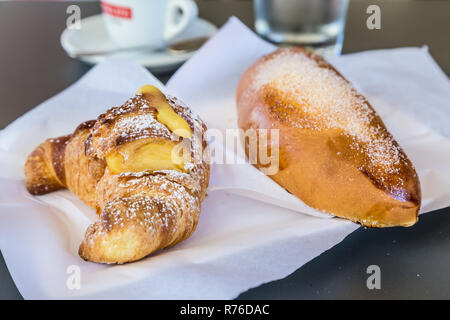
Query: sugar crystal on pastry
[(335, 152), (327, 101)]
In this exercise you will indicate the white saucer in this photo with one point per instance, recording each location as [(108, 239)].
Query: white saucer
[(93, 36)]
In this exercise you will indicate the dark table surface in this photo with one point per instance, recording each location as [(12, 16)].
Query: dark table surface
[(414, 262)]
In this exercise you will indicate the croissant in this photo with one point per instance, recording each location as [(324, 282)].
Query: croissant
[(139, 166), (334, 151)]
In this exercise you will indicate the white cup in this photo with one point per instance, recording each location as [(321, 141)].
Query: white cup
[(151, 23)]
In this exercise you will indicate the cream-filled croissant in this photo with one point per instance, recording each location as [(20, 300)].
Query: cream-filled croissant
[(335, 153), (129, 167)]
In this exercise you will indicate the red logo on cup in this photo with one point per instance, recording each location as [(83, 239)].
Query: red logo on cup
[(116, 11)]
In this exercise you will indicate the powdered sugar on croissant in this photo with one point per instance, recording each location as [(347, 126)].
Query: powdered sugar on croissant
[(127, 167)]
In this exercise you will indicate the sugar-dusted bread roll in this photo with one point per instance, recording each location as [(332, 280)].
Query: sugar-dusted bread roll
[(335, 153)]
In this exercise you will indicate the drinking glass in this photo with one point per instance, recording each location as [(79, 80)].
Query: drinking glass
[(317, 24)]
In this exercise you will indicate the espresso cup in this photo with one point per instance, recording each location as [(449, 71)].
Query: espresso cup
[(152, 23)]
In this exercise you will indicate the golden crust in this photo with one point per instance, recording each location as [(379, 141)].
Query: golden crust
[(140, 212), (44, 166), (335, 152)]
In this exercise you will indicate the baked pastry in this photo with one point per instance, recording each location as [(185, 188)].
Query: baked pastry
[(335, 153), (138, 166)]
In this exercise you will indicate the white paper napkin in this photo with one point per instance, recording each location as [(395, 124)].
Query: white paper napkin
[(245, 236)]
